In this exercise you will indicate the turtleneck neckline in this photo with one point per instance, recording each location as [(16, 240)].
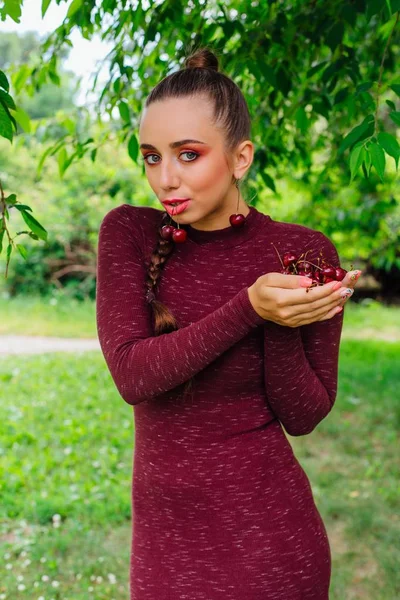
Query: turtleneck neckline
[(228, 236)]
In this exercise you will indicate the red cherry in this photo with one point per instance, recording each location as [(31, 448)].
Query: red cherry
[(304, 265), (329, 279), (237, 220), (340, 273), (289, 258), (329, 272), (167, 231), (179, 235)]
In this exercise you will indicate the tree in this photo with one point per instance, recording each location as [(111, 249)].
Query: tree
[(320, 79)]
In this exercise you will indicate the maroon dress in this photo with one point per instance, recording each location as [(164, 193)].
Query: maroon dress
[(221, 508)]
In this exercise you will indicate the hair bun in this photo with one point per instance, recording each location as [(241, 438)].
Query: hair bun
[(202, 58)]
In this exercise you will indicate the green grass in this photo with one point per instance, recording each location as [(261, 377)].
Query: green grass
[(66, 449)]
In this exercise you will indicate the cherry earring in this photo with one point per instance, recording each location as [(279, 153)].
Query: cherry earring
[(237, 219)]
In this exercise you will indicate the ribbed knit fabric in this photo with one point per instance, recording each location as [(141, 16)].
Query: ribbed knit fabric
[(221, 508)]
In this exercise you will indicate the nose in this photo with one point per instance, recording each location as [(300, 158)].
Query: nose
[(168, 177)]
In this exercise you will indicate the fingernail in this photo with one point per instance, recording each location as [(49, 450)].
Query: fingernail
[(347, 292), (355, 275), (305, 282)]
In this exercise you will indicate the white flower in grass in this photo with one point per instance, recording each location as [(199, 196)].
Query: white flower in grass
[(36, 584), (112, 578), (43, 559), (9, 566), (7, 556), (99, 579), (78, 576), (3, 597), (93, 578), (90, 589), (23, 554), (20, 577), (41, 598), (45, 577), (67, 451), (26, 562), (55, 583), (101, 559), (21, 587)]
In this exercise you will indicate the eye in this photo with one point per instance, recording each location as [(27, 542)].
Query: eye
[(146, 159), (192, 153)]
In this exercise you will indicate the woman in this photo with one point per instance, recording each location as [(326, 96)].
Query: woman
[(217, 351)]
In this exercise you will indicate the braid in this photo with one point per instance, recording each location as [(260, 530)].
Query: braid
[(164, 320)]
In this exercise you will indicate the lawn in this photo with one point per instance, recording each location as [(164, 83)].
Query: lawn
[(66, 460)]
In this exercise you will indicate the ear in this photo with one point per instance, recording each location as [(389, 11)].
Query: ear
[(243, 157)]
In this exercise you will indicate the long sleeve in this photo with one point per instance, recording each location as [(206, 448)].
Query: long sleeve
[(301, 364), (143, 365)]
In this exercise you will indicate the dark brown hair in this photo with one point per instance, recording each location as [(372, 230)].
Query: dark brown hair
[(199, 77)]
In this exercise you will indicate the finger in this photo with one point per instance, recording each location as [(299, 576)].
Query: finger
[(288, 281), (320, 315), (351, 278), (307, 296)]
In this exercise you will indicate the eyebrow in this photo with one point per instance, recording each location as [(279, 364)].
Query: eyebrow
[(172, 145)]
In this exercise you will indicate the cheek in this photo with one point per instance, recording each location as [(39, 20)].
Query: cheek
[(209, 174)]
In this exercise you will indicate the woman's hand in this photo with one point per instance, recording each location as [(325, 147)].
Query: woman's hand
[(289, 300)]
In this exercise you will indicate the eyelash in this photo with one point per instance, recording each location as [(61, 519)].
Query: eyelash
[(144, 158)]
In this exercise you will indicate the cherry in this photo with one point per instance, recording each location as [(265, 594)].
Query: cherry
[(329, 272), (237, 220), (304, 265), (340, 273), (329, 279), (179, 235), (289, 258), (167, 231)]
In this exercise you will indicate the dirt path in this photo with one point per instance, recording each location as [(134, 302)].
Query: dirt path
[(21, 344)]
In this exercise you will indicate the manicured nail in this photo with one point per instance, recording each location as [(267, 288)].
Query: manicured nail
[(355, 275), (347, 292), (305, 282)]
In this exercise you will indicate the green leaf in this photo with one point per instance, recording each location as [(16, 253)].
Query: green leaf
[(6, 129), (124, 111), (9, 250), (391, 104), (395, 116), (13, 9), (4, 82), (316, 68), (396, 88), (390, 145), (356, 133), (6, 99), (378, 159), (35, 226), (373, 7), (269, 182), (357, 156), (62, 158), (74, 7), (1, 239), (133, 147), (301, 119), (367, 163), (23, 119), (45, 6), (363, 87), (22, 250), (22, 207)]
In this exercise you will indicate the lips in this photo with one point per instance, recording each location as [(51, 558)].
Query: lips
[(176, 210), (174, 201)]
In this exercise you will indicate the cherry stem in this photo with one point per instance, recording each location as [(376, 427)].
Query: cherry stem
[(283, 266)]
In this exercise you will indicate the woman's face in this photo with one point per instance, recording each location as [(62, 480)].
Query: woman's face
[(198, 169)]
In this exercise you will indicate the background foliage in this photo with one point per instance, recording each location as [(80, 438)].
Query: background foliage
[(321, 80)]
